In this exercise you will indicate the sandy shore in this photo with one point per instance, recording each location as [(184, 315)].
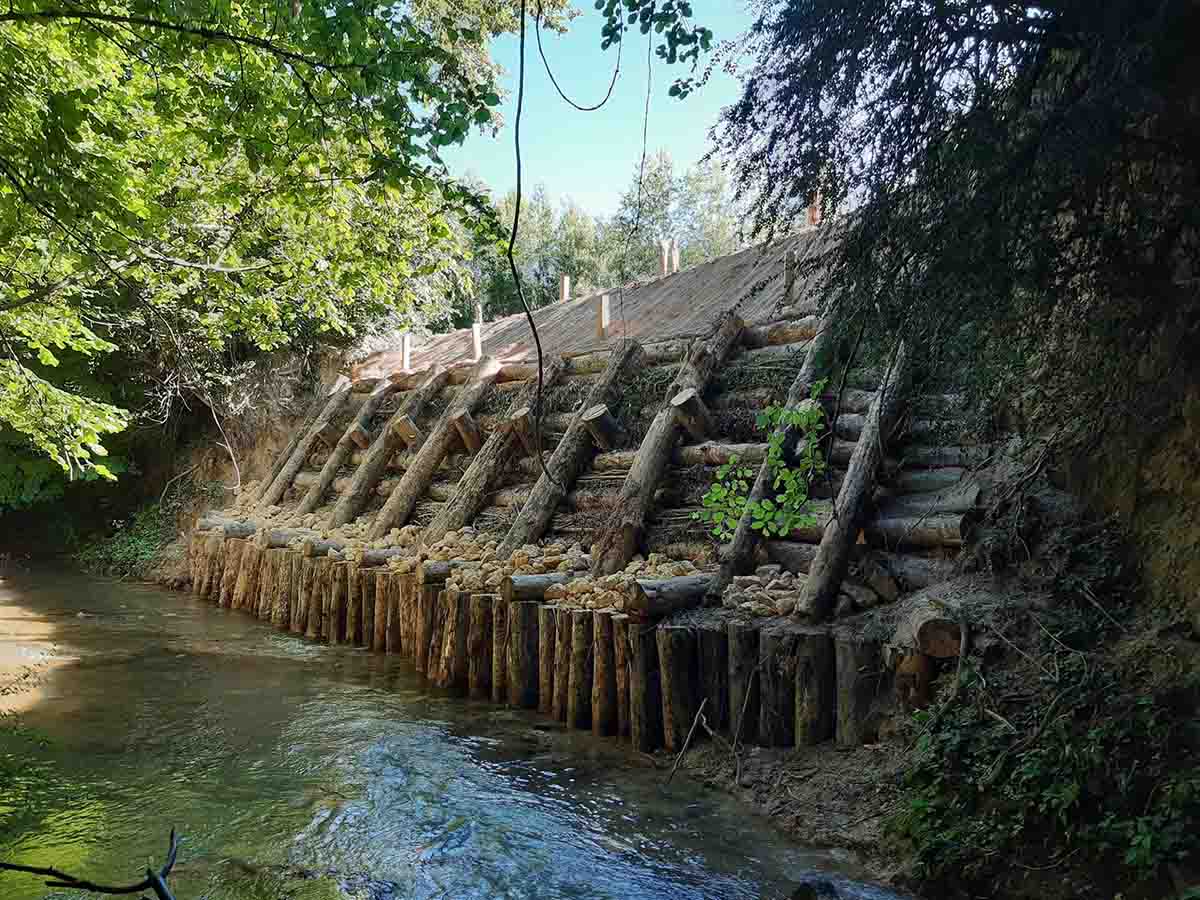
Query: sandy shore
[(27, 653)]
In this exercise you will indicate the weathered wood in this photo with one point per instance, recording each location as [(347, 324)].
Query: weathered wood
[(471, 492), (215, 551), (455, 666), (738, 558), (261, 603), (468, 430), (520, 425), (523, 655), (679, 662), (230, 528), (353, 634), (308, 583), (547, 637), (621, 626), (604, 676), (280, 595), (657, 597), (928, 628), (375, 462), (531, 587), (562, 663), (645, 689), (403, 430), (320, 398), (399, 587), (427, 624), (379, 621), (500, 640), (296, 572), (861, 677), (602, 426), (775, 334), (777, 677), (295, 462), (828, 569), (247, 583), (403, 499), (579, 685), (335, 626), (355, 435), (233, 562), (693, 415), (816, 686), (618, 540), (366, 593), (713, 649), (479, 648), (571, 454), (743, 682)]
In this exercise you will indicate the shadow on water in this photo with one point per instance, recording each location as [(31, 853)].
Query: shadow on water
[(281, 760)]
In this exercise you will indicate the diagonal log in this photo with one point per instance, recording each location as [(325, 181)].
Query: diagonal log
[(818, 362), (314, 409), (470, 495), (854, 499), (417, 477), (345, 446), (619, 539), (572, 452), (295, 461), (374, 464)]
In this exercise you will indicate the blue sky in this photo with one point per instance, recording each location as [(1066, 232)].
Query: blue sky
[(590, 157)]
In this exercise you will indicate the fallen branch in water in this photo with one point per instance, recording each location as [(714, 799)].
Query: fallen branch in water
[(688, 741), (155, 881)]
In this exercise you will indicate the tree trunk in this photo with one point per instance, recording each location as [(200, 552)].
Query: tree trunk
[(818, 362), (479, 648), (679, 662), (571, 454), (832, 560), (658, 597), (618, 541), (470, 494), (743, 682), (604, 676), (375, 462), (547, 635), (620, 623), (346, 444), (645, 690), (579, 686), (523, 655), (816, 686), (295, 461), (419, 474)]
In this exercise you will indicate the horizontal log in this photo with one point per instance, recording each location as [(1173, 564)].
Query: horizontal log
[(516, 588), (228, 527), (653, 598), (941, 530), (784, 332)]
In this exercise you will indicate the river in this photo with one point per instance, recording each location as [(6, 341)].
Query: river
[(272, 755)]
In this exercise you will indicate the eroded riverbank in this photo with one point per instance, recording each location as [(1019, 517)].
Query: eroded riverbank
[(273, 755)]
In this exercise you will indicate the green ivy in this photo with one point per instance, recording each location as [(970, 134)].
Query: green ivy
[(727, 500)]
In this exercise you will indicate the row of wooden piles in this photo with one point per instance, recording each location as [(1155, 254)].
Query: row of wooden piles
[(615, 674)]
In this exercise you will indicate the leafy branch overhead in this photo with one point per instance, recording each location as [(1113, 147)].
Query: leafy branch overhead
[(682, 41)]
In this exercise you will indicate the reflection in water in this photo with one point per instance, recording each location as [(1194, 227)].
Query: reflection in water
[(273, 755)]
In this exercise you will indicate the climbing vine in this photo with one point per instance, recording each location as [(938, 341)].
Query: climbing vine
[(728, 499)]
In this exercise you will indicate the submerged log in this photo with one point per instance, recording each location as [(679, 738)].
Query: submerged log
[(861, 677), (523, 655), (547, 638), (621, 625), (777, 676), (579, 686), (618, 540), (295, 462), (399, 506), (604, 676), (374, 464), (479, 648), (645, 690), (679, 662), (500, 640), (713, 645), (571, 454), (470, 494), (818, 362), (816, 686), (829, 566), (743, 682), (657, 597), (562, 663), (353, 436)]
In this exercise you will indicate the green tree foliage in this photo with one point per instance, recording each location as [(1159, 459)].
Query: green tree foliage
[(190, 185), (1022, 183)]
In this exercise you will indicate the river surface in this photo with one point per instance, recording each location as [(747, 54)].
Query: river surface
[(272, 755)]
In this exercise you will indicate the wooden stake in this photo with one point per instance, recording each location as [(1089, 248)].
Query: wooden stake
[(335, 627), (523, 655), (604, 676), (693, 415), (602, 426), (678, 660), (645, 690), (562, 663), (777, 673), (233, 562), (247, 583), (861, 677), (454, 670), (603, 317), (398, 587), (713, 645), (816, 690), (547, 635), (479, 648), (308, 582), (500, 641), (354, 632), (743, 682), (620, 623), (579, 685), (379, 621)]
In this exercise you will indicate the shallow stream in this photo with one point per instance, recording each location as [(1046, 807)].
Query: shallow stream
[(277, 758)]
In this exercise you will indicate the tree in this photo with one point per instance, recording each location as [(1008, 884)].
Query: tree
[(1021, 182), (193, 184)]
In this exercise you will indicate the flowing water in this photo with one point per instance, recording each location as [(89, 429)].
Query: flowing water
[(273, 756)]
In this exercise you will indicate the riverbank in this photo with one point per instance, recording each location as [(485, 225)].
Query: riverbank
[(27, 653)]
